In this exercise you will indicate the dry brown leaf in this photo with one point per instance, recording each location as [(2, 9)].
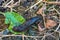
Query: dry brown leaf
[(50, 24)]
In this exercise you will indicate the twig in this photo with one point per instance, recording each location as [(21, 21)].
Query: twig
[(43, 37), (0, 38), (13, 5), (50, 9), (21, 35), (2, 13), (5, 2), (34, 5), (57, 27), (58, 3), (8, 3), (35, 38), (43, 14), (57, 11)]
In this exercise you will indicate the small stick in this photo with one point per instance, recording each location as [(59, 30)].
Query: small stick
[(57, 27), (57, 11), (8, 3), (34, 5), (52, 2), (43, 37), (13, 5), (2, 13), (23, 37)]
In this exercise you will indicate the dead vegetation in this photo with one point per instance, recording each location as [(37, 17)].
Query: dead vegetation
[(48, 9)]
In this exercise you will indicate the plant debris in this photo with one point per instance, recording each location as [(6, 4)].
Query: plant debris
[(30, 19)]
